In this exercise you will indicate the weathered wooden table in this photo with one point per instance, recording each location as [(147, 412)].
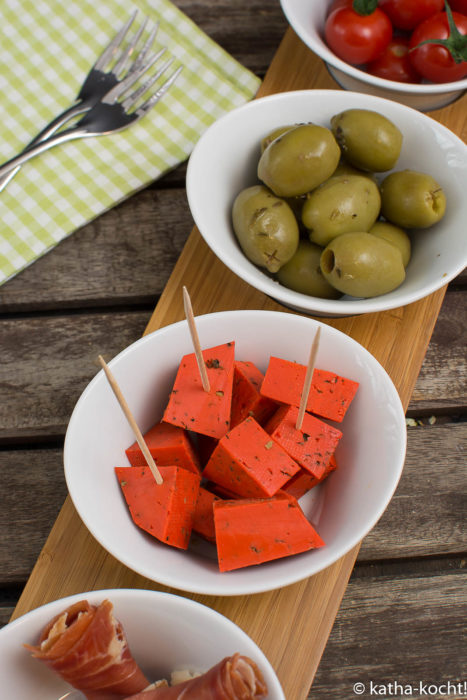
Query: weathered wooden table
[(402, 618)]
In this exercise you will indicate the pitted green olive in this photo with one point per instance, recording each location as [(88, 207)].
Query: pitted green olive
[(303, 273), (362, 265), (265, 226), (342, 204), (368, 140), (299, 160), (412, 200), (396, 236)]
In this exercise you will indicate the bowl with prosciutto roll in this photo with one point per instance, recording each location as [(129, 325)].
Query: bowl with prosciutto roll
[(253, 488), (126, 644)]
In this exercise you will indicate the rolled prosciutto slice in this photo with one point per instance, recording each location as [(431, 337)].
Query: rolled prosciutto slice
[(87, 647), (234, 678)]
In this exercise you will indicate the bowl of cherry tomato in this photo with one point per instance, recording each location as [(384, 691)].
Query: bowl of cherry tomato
[(389, 48)]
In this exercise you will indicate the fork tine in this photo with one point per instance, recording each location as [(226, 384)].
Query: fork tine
[(132, 99), (121, 63), (111, 49), (138, 62), (130, 79), (159, 94)]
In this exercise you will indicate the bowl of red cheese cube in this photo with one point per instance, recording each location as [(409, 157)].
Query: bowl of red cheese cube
[(251, 498)]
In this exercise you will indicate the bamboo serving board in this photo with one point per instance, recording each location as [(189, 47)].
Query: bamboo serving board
[(292, 624)]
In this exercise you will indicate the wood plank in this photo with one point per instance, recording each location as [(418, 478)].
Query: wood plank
[(124, 256), (396, 629), (398, 339), (443, 377), (426, 516), (41, 383), (37, 490)]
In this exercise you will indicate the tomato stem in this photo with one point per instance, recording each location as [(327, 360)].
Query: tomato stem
[(364, 7), (456, 43)]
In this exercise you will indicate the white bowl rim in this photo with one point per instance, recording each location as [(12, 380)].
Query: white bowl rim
[(226, 585), (149, 596), (330, 57), (288, 297)]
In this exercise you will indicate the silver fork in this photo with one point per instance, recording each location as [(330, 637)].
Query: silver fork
[(101, 78), (107, 116)]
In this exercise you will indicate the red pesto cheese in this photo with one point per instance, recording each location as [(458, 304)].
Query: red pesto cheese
[(303, 482), (193, 408), (246, 397), (312, 446), (168, 445), (164, 510), (330, 394), (249, 463), (253, 531), (203, 520)]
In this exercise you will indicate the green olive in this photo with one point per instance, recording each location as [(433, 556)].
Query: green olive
[(344, 168), (396, 236), (303, 273), (299, 160), (368, 140), (362, 265), (274, 135), (412, 200), (342, 204), (265, 226)]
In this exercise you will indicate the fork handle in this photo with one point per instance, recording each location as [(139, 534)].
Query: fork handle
[(47, 131), (29, 153)]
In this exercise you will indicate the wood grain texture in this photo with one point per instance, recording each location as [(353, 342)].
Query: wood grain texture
[(36, 476), (108, 243), (42, 382), (380, 620)]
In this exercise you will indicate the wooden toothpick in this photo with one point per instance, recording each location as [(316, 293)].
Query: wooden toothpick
[(308, 378), (195, 339), (126, 410)]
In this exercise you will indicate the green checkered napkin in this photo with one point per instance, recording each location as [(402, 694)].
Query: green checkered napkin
[(48, 47)]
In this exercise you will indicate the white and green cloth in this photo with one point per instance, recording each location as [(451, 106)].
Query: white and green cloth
[(47, 49)]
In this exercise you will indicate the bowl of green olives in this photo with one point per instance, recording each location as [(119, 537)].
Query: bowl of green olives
[(333, 203), (400, 82)]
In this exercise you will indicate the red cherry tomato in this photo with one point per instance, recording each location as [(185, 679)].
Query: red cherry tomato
[(459, 6), (394, 63), (433, 61), (357, 38), (406, 14)]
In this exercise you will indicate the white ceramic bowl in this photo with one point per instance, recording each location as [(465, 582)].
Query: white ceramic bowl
[(225, 160), (347, 506), (307, 20), (165, 632)]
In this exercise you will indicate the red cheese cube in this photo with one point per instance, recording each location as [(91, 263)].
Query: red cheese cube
[(249, 463), (303, 481), (312, 446), (203, 521), (246, 397), (164, 510), (193, 408), (168, 445), (253, 531), (330, 395)]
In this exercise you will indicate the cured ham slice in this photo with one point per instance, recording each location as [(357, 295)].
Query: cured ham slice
[(234, 678), (87, 647)]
